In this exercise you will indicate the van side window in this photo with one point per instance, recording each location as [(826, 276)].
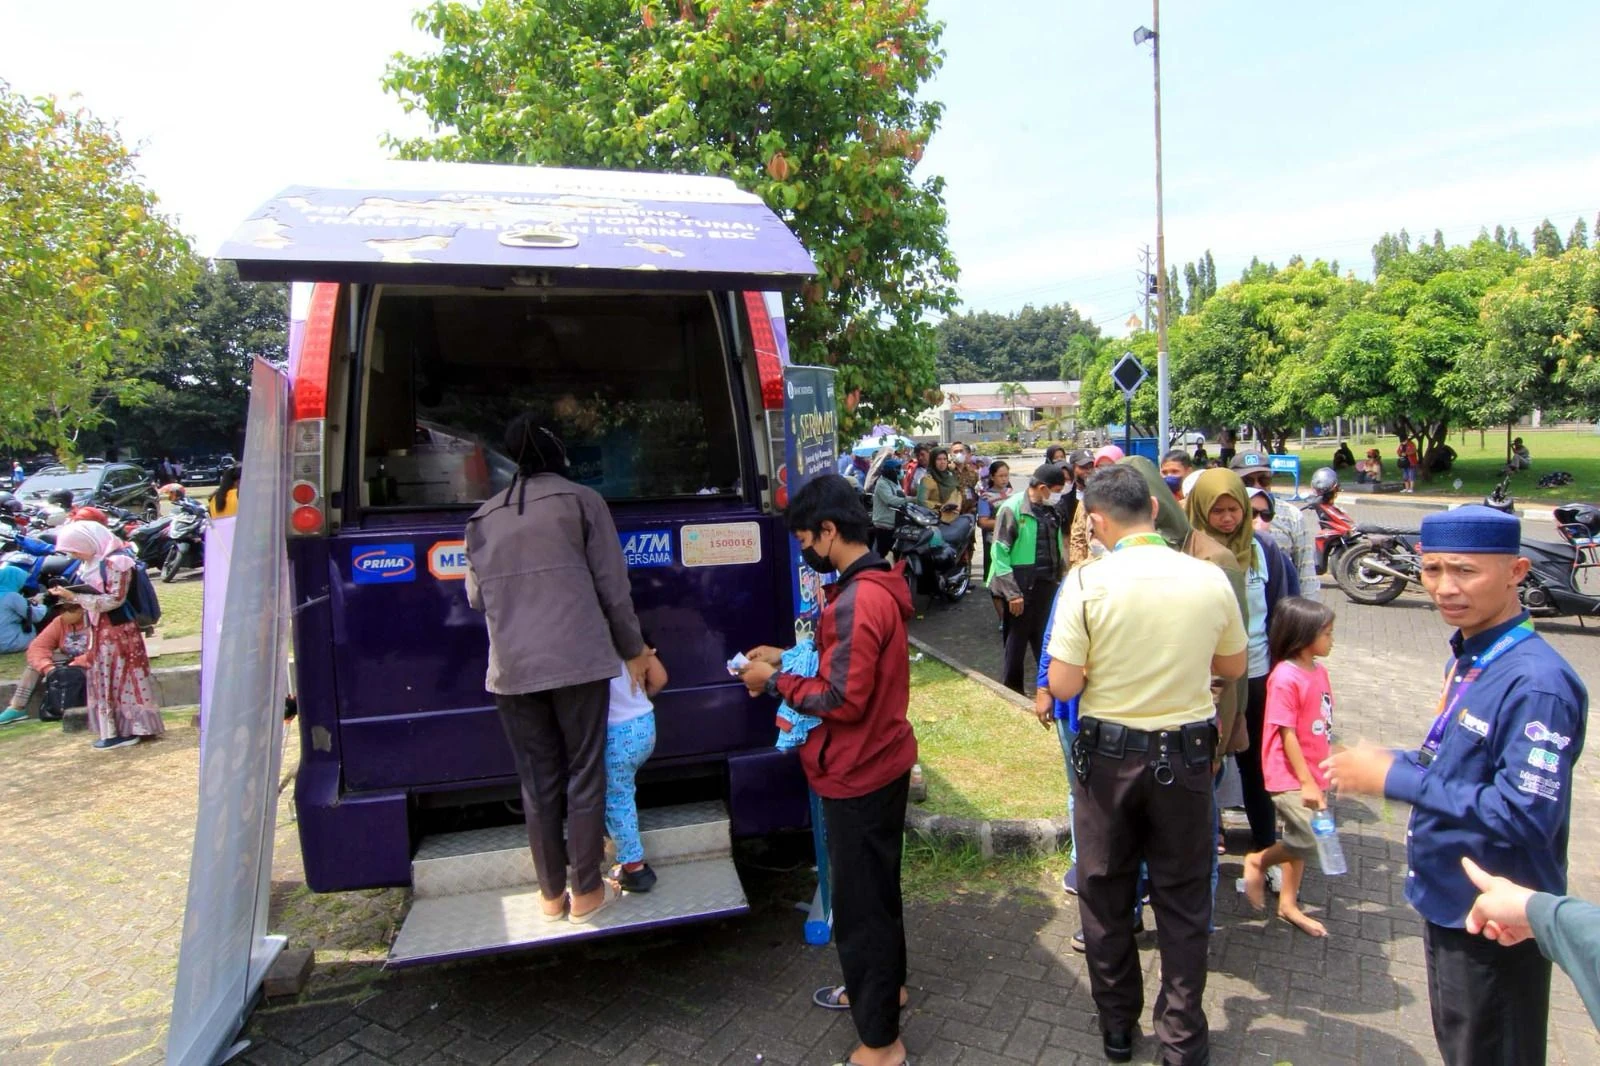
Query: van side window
[(636, 383)]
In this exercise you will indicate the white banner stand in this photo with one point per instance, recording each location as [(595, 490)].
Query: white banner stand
[(225, 951)]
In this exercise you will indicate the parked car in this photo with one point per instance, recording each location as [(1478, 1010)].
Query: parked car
[(98, 484), (206, 469)]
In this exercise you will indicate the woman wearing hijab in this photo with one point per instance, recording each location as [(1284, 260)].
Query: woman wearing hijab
[(123, 708), (939, 487), (17, 616), (545, 567), (1219, 506)]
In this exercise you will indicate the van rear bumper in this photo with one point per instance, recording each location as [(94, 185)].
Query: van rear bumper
[(364, 839), (354, 840)]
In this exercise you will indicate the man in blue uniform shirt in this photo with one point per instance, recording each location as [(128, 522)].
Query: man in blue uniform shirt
[(1492, 782)]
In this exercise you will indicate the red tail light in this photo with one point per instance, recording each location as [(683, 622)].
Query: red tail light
[(310, 404), (769, 368)]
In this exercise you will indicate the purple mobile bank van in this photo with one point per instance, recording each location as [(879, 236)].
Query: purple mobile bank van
[(434, 304)]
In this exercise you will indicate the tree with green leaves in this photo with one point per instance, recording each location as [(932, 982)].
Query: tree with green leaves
[(1398, 355), (1546, 240), (199, 386), (1542, 326), (1251, 357), (1579, 237), (812, 105), (1025, 345), (89, 265)]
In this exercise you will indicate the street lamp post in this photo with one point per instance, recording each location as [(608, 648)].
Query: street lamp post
[(1163, 377)]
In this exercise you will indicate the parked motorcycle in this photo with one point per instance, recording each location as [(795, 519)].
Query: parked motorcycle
[(1380, 565), (938, 556), (1551, 589), (45, 567), (174, 541)]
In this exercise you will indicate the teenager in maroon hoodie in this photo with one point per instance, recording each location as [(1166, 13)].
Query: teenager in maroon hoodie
[(859, 759)]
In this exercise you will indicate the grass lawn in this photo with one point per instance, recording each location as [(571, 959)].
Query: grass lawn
[(180, 617), (1479, 460), (173, 716), (982, 757)]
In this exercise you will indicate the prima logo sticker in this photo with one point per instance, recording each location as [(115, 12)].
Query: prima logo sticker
[(383, 564)]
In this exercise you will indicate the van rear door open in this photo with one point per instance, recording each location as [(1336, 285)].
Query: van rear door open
[(449, 298)]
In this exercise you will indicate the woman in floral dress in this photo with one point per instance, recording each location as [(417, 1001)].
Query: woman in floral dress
[(123, 708)]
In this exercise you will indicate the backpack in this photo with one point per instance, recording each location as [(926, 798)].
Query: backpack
[(142, 607), (65, 687)]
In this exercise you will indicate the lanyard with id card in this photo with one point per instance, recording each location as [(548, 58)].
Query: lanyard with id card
[(1454, 691)]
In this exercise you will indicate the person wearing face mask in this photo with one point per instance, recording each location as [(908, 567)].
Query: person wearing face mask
[(1029, 558), (966, 477), (1175, 466), (861, 692)]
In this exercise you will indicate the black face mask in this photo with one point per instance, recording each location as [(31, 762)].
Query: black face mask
[(819, 563)]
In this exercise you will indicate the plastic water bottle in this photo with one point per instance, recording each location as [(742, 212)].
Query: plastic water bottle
[(1329, 853)]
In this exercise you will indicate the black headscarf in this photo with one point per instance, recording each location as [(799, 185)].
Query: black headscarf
[(534, 446)]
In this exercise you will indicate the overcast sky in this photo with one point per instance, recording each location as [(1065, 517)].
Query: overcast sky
[(1289, 128)]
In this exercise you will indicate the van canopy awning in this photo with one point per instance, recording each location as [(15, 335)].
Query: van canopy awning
[(479, 224)]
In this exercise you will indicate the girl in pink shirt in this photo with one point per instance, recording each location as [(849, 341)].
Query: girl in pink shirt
[(1298, 729)]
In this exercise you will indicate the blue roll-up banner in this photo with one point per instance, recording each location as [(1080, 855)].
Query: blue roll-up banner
[(811, 447)]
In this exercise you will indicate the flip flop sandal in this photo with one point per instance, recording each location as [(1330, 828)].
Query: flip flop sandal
[(831, 997), (611, 895), (558, 916)]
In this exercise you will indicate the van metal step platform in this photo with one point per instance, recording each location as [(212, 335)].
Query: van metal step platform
[(474, 893)]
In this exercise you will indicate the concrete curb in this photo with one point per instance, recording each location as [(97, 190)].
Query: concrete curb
[(992, 836), (1425, 503), (178, 686)]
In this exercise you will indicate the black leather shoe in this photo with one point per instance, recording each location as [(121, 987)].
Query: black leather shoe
[(1118, 1044)]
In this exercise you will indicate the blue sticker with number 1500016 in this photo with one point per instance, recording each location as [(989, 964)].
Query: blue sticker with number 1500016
[(383, 564)]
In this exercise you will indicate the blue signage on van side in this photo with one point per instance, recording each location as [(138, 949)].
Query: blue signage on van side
[(649, 548), (383, 564)]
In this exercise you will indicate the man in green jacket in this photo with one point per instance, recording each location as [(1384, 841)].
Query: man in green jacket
[(1029, 558)]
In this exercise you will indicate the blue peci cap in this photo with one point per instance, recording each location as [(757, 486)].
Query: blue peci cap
[(1472, 530)]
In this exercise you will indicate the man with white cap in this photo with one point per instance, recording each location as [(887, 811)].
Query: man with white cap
[(1492, 782)]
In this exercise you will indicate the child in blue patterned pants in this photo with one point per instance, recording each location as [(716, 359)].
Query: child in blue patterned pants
[(630, 738)]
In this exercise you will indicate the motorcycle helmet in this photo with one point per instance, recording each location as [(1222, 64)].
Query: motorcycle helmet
[(61, 498), (90, 514), (172, 491), (1325, 482), (1584, 515), (9, 503)]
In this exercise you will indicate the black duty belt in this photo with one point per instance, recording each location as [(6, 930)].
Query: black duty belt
[(1194, 744)]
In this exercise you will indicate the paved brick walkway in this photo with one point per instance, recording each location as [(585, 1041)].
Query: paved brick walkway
[(90, 922)]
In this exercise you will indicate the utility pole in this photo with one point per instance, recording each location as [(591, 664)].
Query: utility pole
[(1163, 377), (1147, 287)]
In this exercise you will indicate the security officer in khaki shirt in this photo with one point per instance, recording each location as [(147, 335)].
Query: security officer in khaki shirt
[(1139, 633)]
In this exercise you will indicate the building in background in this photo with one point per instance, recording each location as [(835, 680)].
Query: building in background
[(992, 410)]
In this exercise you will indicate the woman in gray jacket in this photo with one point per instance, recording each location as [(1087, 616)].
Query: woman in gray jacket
[(546, 568), (887, 499)]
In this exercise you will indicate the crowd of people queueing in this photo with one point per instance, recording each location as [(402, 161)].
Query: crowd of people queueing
[(1185, 627)]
